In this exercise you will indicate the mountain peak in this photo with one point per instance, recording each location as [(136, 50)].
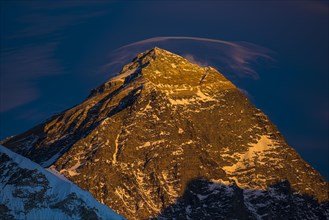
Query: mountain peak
[(165, 132), (153, 53), (157, 51), (166, 71), (160, 50)]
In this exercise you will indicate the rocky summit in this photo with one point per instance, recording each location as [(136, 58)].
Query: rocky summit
[(166, 138)]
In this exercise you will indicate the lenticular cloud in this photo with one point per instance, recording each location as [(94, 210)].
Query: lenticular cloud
[(233, 59)]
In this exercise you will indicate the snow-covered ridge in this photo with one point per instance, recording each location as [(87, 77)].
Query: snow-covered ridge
[(28, 191)]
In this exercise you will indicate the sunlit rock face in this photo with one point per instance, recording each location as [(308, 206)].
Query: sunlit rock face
[(142, 138)]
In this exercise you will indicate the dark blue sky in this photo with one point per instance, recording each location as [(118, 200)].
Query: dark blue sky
[(54, 53)]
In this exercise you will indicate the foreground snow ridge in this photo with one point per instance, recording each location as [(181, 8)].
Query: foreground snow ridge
[(28, 191)]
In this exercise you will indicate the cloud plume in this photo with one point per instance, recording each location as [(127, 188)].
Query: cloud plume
[(234, 59)]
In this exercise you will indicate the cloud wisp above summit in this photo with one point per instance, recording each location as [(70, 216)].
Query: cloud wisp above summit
[(234, 59), (53, 52)]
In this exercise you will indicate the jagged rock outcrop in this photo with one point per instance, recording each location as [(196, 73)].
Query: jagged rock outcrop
[(140, 138)]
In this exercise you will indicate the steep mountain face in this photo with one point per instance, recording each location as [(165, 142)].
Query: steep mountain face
[(28, 191), (142, 139)]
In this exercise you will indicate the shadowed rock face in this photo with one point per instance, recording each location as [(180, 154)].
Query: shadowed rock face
[(204, 199), (141, 137)]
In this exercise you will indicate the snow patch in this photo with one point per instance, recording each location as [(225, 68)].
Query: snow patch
[(203, 96), (153, 143), (254, 156), (115, 154)]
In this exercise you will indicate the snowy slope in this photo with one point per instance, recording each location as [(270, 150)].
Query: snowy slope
[(28, 191)]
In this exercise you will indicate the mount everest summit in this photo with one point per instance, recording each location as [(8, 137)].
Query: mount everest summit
[(165, 139)]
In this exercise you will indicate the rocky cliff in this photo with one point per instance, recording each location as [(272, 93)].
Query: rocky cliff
[(163, 125)]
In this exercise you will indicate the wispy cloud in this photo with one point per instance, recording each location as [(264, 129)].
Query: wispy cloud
[(246, 93), (20, 70), (29, 53), (158, 39), (192, 59), (38, 24), (231, 58), (49, 18)]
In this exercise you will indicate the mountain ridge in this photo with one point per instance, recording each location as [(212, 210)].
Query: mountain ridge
[(157, 125), (29, 191)]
